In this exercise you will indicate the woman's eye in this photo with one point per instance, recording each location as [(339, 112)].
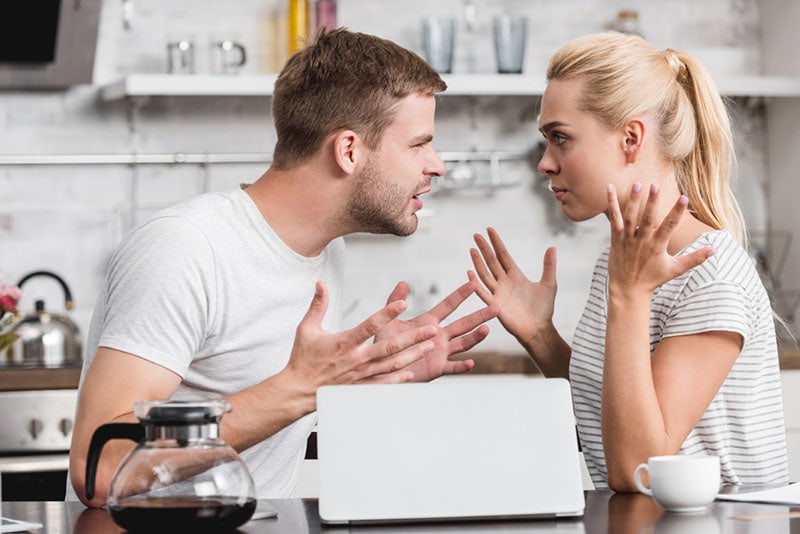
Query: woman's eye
[(559, 139)]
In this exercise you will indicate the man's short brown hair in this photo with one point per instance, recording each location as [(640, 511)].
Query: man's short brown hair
[(343, 80)]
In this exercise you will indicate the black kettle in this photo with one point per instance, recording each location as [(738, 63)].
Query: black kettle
[(45, 339)]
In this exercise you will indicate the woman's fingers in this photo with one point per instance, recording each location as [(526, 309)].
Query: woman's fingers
[(489, 257), (614, 212), (670, 222), (506, 261), (549, 268), (631, 213)]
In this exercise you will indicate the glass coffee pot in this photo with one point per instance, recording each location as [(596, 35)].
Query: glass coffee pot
[(180, 472)]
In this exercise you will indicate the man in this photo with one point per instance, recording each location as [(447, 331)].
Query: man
[(210, 297)]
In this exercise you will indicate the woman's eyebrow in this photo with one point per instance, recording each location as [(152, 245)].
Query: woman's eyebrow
[(550, 125)]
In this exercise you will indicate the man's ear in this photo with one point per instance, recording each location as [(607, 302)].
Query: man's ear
[(634, 131), (347, 148)]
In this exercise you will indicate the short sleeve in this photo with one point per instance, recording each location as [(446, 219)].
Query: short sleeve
[(716, 306), (160, 294)]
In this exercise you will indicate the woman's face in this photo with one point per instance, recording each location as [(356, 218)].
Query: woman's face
[(582, 156)]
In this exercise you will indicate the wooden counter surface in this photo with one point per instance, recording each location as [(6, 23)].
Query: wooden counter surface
[(520, 363), (18, 379)]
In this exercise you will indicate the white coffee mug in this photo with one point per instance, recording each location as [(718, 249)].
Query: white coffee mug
[(681, 483)]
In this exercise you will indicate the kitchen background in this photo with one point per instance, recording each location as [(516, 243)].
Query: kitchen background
[(68, 217)]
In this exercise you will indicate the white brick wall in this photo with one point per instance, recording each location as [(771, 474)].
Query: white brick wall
[(69, 218)]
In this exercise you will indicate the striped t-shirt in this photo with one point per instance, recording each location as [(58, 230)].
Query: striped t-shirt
[(744, 423)]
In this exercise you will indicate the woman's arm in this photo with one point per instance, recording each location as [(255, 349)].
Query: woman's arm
[(526, 307), (650, 403)]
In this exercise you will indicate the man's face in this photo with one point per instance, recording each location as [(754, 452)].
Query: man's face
[(398, 172)]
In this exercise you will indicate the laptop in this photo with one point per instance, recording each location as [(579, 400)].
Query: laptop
[(448, 450)]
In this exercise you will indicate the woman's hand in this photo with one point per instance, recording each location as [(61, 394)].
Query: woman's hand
[(638, 259), (526, 307)]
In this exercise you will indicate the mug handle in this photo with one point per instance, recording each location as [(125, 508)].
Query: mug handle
[(638, 481), (242, 55)]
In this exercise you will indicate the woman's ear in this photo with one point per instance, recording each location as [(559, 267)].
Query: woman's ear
[(634, 132), (346, 150)]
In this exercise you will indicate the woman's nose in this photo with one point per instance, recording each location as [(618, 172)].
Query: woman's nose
[(547, 164)]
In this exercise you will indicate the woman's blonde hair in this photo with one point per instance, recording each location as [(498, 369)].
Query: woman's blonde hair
[(624, 76)]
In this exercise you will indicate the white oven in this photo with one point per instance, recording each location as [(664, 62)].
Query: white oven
[(35, 434)]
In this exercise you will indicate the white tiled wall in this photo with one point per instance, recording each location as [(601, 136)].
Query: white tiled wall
[(69, 218)]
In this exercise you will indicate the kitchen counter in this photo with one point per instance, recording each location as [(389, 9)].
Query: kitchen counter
[(31, 378), (605, 512), (521, 363), (15, 379)]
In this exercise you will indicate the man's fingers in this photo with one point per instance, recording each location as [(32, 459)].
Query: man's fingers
[(400, 377), (395, 356), (402, 341), (470, 321), (467, 341), (452, 301), (400, 292), (458, 367), (317, 308), (375, 322)]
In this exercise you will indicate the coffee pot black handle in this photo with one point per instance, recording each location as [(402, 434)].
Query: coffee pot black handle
[(131, 431)]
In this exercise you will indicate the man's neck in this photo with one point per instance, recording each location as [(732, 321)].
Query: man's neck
[(298, 208)]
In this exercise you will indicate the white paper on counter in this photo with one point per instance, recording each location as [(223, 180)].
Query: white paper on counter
[(15, 525), (781, 495)]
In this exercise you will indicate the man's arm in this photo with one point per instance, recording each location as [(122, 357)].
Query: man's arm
[(115, 380)]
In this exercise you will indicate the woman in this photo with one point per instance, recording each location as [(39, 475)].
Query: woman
[(675, 352)]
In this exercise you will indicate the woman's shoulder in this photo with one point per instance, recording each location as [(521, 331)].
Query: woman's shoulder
[(731, 262)]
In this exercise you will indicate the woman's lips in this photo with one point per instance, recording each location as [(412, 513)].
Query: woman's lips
[(558, 192)]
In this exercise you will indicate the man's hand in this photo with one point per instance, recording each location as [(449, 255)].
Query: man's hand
[(459, 336), (320, 358)]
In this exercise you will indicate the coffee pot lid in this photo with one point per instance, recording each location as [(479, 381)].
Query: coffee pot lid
[(180, 412)]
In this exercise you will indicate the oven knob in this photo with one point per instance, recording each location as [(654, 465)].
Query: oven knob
[(65, 426), (35, 427)]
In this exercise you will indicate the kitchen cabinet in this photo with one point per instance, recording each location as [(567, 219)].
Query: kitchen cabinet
[(790, 382)]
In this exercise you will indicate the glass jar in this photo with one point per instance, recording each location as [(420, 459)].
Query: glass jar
[(627, 21)]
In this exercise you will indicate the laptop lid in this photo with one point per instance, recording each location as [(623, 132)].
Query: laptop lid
[(448, 450)]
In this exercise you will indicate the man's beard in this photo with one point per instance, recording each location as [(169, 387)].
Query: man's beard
[(379, 207)]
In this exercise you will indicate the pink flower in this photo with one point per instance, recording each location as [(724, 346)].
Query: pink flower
[(8, 304), (9, 296)]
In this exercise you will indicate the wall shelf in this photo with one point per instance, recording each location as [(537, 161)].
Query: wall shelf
[(146, 85)]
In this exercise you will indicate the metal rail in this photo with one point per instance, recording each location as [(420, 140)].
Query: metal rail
[(492, 157)]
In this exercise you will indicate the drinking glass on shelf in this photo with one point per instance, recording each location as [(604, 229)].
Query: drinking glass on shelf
[(509, 42), (438, 34)]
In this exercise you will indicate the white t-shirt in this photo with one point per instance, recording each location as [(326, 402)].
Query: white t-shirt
[(744, 423), (209, 291)]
